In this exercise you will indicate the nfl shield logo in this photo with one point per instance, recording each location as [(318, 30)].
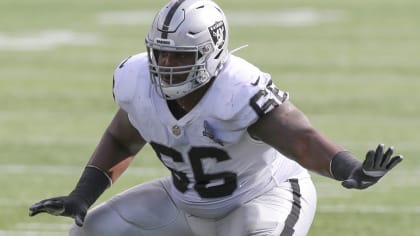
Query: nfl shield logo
[(176, 130)]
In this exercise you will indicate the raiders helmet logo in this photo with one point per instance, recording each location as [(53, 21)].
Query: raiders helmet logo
[(218, 34)]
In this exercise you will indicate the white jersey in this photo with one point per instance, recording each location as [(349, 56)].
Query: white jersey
[(214, 162)]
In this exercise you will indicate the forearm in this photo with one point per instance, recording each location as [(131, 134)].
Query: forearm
[(290, 132), (327, 158), (110, 159), (117, 147), (107, 163), (111, 156), (120, 142), (314, 152)]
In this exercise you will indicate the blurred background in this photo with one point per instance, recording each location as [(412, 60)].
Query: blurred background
[(352, 66)]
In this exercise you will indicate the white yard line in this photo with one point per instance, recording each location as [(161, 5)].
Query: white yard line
[(31, 233), (45, 40), (42, 226), (37, 229), (64, 170), (287, 17), (380, 209), (52, 38)]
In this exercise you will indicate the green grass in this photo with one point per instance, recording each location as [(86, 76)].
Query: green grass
[(355, 75)]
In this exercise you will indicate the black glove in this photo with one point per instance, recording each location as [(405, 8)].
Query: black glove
[(70, 206), (91, 185), (375, 166)]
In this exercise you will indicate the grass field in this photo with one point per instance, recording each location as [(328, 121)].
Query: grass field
[(352, 66)]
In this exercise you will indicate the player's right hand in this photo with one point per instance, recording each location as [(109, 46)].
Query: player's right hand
[(70, 206)]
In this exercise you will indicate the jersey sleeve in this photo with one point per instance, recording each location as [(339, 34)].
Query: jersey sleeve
[(127, 78), (124, 84), (244, 94), (267, 97), (262, 97)]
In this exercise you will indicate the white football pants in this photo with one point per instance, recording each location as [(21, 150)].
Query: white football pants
[(148, 210)]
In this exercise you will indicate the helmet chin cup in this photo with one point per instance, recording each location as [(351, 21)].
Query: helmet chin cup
[(187, 26), (175, 92)]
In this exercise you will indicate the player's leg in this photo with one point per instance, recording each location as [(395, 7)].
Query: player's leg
[(202, 226), (143, 210), (286, 210)]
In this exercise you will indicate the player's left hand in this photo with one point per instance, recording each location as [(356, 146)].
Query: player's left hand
[(70, 206), (375, 166)]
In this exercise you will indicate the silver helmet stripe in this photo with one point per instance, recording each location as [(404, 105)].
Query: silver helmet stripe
[(169, 18)]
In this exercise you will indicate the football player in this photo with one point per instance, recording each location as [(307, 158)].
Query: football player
[(237, 148)]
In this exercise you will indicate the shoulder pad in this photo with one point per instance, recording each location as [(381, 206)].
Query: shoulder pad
[(244, 93), (126, 77)]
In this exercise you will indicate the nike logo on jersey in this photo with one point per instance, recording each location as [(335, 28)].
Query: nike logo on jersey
[(209, 133), (256, 82)]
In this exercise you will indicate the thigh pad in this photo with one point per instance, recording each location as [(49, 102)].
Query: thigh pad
[(147, 206)]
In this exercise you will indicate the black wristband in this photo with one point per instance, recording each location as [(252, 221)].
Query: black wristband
[(91, 185), (342, 165)]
